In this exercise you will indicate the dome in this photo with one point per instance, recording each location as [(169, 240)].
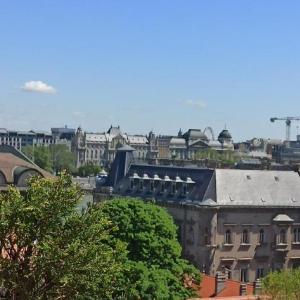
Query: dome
[(195, 134), (225, 135)]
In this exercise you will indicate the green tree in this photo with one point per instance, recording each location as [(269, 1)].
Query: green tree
[(154, 269), (55, 158), (88, 170), (62, 158), (225, 156), (50, 251), (40, 155), (281, 285)]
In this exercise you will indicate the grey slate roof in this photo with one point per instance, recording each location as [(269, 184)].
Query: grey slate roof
[(126, 148), (257, 188)]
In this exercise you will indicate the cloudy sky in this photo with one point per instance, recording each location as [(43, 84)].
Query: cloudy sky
[(150, 65)]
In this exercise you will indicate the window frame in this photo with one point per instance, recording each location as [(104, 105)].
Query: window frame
[(228, 237)]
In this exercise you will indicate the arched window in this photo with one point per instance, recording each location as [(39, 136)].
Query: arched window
[(228, 239), (245, 237), (282, 236), (261, 236)]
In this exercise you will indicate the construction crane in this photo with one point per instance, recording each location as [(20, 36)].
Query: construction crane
[(288, 121)]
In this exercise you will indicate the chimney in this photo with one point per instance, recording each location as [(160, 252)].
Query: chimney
[(243, 289), (257, 287), (220, 282)]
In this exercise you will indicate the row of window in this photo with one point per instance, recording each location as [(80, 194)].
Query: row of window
[(162, 187), (93, 153), (244, 273), (281, 237)]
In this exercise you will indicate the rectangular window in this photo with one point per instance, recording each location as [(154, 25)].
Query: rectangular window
[(244, 275), (173, 189), (259, 273), (206, 236), (228, 239), (184, 189), (296, 235), (261, 236), (281, 238), (151, 186)]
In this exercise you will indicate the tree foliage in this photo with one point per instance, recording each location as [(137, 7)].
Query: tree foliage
[(54, 158), (226, 156), (88, 170), (282, 285), (154, 269), (62, 158), (50, 251), (40, 155)]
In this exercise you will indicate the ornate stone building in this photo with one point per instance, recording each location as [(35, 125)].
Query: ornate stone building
[(185, 145), (240, 222), (100, 148)]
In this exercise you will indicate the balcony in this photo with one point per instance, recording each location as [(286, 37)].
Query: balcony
[(280, 247)]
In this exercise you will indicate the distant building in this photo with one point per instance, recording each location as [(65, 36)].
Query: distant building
[(19, 139), (244, 222), (287, 153), (185, 145), (101, 148), (63, 133)]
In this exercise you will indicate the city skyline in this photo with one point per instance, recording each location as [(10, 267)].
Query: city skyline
[(150, 66)]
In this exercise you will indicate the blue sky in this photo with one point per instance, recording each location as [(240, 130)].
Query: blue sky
[(145, 65)]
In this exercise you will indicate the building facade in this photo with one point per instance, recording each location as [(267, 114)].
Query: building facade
[(244, 223), (185, 146), (288, 152), (19, 139), (101, 148)]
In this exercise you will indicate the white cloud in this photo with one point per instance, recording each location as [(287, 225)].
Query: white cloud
[(38, 87), (196, 104)]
